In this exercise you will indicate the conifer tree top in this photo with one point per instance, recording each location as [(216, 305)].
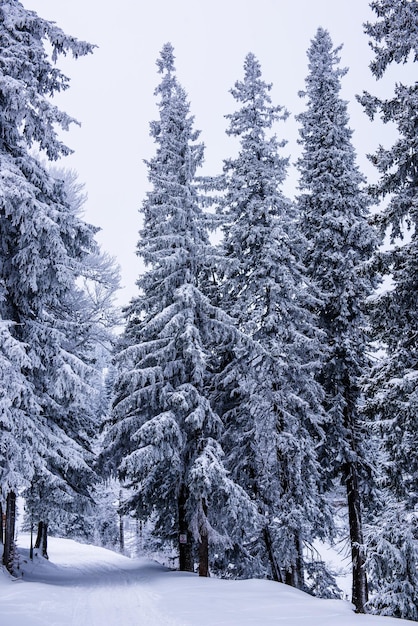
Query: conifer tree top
[(323, 61), (257, 112), (395, 33), (28, 79), (166, 60)]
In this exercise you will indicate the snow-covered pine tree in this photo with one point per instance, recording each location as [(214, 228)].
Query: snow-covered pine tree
[(82, 324), (272, 404), (334, 218), (165, 433), (42, 242), (393, 387), (18, 430)]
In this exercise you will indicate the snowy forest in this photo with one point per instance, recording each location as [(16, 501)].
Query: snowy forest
[(258, 397)]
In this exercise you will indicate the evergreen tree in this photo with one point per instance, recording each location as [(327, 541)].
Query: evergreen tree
[(339, 244), (18, 429), (42, 243), (271, 408), (165, 436), (82, 324), (392, 389)]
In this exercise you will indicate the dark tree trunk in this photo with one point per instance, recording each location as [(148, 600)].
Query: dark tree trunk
[(1, 524), (290, 577), (350, 475), (186, 563), (204, 555), (121, 527), (300, 569), (121, 535), (139, 530), (359, 588), (38, 539), (295, 575), (42, 538), (275, 569), (31, 539), (8, 552), (45, 541), (204, 547)]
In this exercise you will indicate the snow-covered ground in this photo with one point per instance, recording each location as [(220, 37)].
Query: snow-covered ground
[(84, 585)]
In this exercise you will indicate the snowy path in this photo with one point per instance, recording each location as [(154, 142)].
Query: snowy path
[(100, 596), (87, 586), (84, 586)]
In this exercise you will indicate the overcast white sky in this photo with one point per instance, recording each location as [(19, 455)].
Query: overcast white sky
[(111, 91)]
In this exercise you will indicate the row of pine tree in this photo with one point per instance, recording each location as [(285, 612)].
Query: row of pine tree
[(262, 380)]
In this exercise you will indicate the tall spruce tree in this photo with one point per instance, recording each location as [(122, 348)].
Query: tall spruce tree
[(340, 242), (271, 407), (42, 244), (392, 390), (165, 435)]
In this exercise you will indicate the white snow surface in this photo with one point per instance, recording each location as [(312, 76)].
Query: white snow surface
[(85, 585)]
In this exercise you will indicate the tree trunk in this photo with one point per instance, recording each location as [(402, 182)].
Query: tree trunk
[(351, 477), (31, 537), (121, 535), (8, 552), (290, 577), (42, 539), (1, 524), (275, 569), (121, 527), (204, 555), (204, 546), (299, 567), (295, 575), (45, 541), (185, 542), (38, 539), (359, 587), (139, 536)]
